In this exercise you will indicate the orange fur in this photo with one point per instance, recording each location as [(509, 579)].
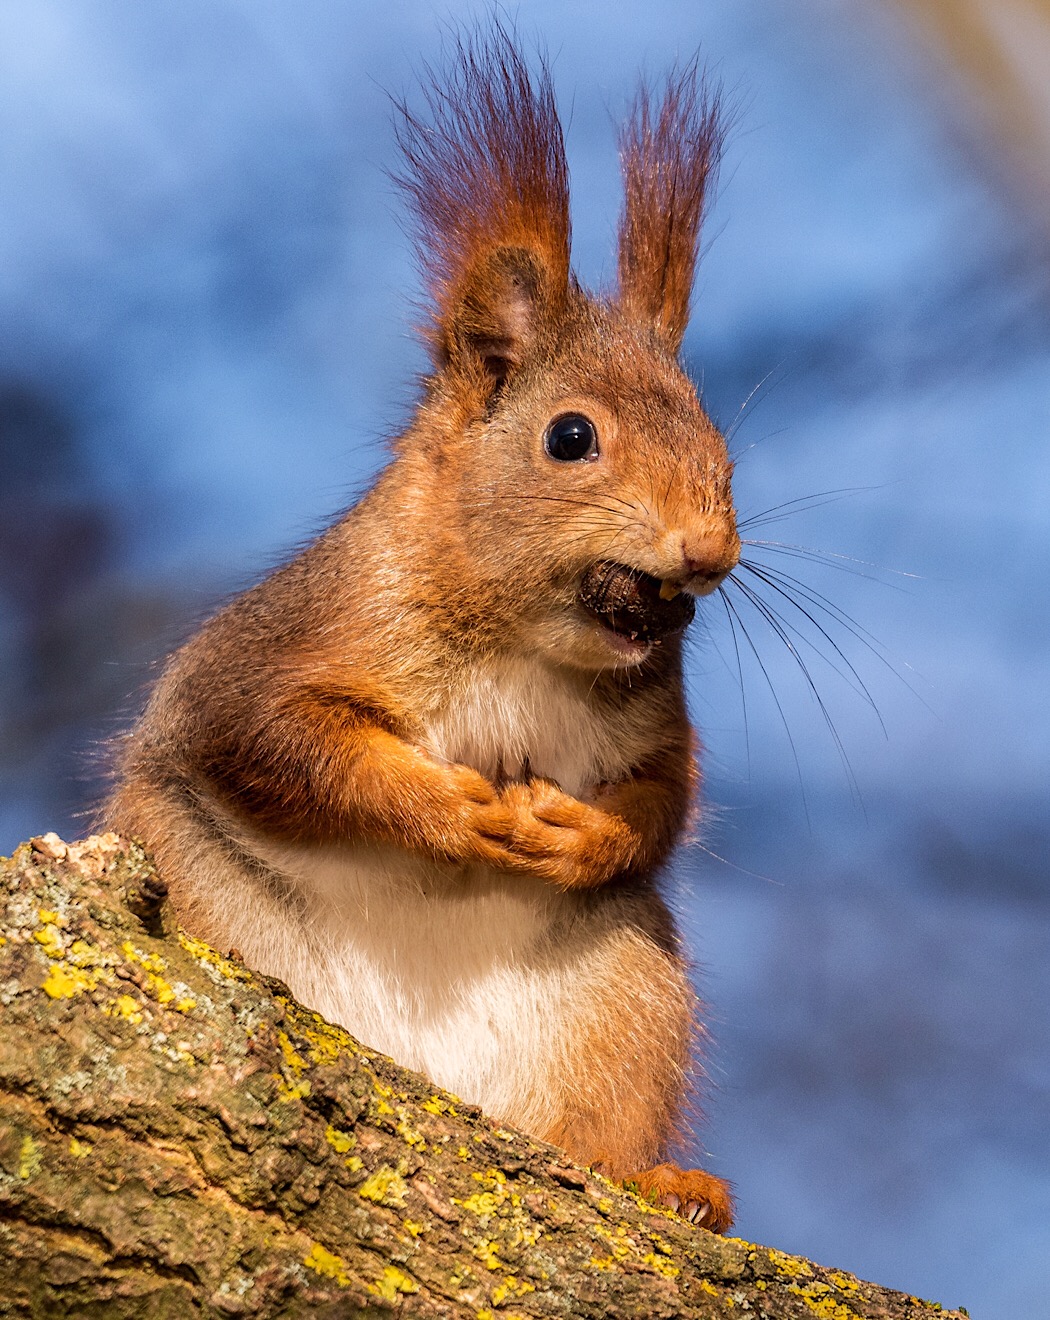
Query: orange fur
[(669, 155), (409, 773)]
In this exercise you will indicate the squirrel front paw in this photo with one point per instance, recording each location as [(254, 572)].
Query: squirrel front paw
[(564, 840), (467, 819), (445, 810)]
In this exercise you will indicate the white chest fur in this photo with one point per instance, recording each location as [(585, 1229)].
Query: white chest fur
[(467, 974), (510, 718)]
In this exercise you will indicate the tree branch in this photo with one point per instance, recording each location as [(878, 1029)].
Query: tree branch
[(179, 1137)]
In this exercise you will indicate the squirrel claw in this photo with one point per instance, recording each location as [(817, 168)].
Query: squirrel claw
[(698, 1197)]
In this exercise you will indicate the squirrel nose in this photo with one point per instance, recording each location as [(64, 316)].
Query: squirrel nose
[(710, 554)]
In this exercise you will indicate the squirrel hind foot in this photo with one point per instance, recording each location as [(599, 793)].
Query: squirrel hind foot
[(694, 1194)]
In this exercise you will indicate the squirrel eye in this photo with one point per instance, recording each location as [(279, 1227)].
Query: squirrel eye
[(571, 438)]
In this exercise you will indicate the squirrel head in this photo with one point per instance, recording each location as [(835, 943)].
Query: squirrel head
[(579, 494)]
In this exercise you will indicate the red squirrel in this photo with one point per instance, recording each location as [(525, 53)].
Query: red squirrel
[(428, 772)]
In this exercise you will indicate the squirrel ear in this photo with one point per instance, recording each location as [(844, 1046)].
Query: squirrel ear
[(486, 177), (668, 156), (499, 314)]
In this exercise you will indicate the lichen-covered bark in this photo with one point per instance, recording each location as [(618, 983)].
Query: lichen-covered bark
[(179, 1137)]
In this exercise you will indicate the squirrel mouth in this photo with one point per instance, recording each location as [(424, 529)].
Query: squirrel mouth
[(632, 604)]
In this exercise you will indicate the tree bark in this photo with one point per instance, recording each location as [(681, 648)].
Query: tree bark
[(179, 1137)]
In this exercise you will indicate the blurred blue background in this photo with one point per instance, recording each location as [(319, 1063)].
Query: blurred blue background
[(205, 311)]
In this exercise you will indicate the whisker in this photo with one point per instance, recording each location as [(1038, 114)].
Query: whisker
[(802, 504), (860, 687), (738, 454), (856, 630), (776, 699), (822, 602), (738, 419), (831, 559), (774, 622), (674, 474), (562, 499), (755, 875), (740, 676)]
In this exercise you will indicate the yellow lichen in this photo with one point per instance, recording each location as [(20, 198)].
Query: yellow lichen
[(126, 1007), (327, 1263), (152, 962), (486, 1250), (295, 1086), (292, 1090), (80, 1150), (210, 957), (64, 982), (292, 1059), (481, 1203), (325, 1041), (620, 1243), (29, 1159), (325, 1047), (51, 941), (75, 970), (793, 1266), (844, 1282), (436, 1105), (463, 1153), (392, 1282), (820, 1303), (340, 1141), (158, 988), (495, 1178), (182, 1054), (660, 1265), (511, 1287), (408, 1133), (489, 1201), (83, 954), (385, 1187), (417, 1230)]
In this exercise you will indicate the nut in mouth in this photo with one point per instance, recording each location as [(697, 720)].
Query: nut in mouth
[(634, 605)]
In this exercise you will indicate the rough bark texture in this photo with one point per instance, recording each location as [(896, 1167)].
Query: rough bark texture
[(179, 1137)]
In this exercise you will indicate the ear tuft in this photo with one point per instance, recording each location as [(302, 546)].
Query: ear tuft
[(669, 156), (486, 177)]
